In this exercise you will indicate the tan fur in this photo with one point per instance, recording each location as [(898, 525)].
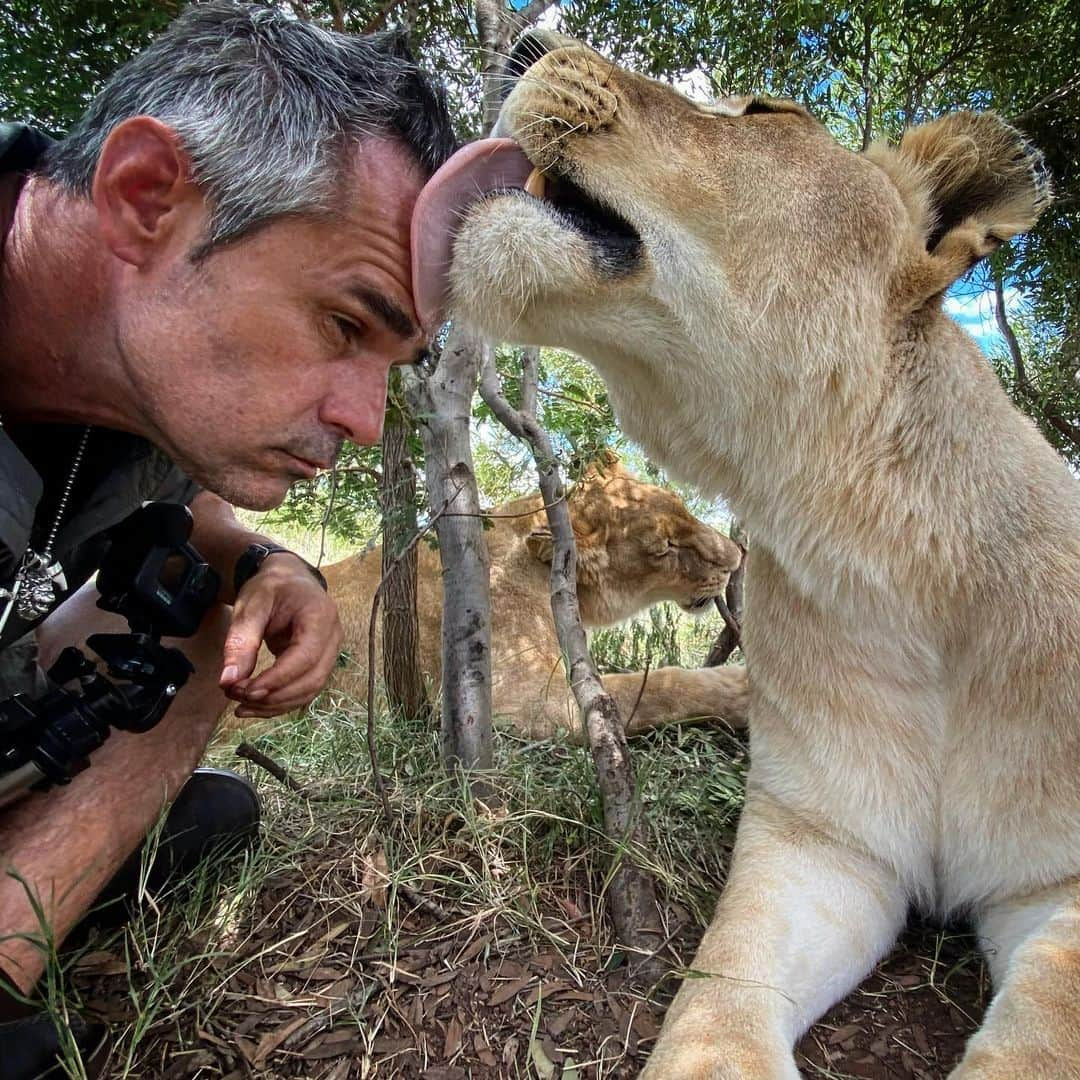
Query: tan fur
[(915, 640), (637, 545)]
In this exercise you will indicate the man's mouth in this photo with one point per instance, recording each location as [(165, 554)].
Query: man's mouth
[(306, 467), (500, 166)]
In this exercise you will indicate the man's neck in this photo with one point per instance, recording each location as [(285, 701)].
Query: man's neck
[(57, 362)]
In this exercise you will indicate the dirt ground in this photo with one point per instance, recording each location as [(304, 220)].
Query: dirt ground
[(467, 1002), (464, 945)]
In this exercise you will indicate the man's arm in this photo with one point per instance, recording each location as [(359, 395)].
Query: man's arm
[(282, 605)]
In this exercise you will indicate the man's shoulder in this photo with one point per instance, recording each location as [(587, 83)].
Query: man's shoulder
[(20, 146)]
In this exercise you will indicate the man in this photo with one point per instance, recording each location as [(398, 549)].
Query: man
[(202, 289)]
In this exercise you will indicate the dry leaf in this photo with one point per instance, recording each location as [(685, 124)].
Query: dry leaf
[(452, 1043), (545, 1067), (376, 876), (273, 1039), (101, 963)]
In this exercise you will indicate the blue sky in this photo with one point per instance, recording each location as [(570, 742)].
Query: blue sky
[(973, 308)]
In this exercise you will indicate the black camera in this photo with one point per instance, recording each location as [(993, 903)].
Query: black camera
[(152, 576)]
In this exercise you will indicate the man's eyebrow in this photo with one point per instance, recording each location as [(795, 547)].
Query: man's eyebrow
[(386, 310)]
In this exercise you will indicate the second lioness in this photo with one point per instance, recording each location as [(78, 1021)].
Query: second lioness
[(637, 545)]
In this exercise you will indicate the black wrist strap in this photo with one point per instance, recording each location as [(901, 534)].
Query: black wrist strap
[(256, 554)]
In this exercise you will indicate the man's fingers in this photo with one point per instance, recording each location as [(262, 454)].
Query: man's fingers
[(303, 666), (297, 669), (244, 638)]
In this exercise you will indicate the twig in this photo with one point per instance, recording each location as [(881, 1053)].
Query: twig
[(363, 470), (730, 607), (250, 753), (509, 517), (378, 21), (729, 620), (353, 1001), (641, 691), (632, 892), (376, 774), (432, 907), (326, 516)]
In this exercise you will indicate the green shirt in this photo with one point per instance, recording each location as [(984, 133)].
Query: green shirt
[(119, 473)]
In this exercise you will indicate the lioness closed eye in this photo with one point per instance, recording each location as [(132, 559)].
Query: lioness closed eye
[(766, 308)]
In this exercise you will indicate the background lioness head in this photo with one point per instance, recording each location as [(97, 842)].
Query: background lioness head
[(733, 241), (637, 545)]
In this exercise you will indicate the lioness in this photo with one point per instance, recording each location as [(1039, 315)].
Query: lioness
[(637, 545), (766, 307)]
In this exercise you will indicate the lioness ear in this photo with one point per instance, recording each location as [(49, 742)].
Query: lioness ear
[(603, 466), (970, 182), (592, 558), (541, 545)]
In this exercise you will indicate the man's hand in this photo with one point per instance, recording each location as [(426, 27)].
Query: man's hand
[(283, 605)]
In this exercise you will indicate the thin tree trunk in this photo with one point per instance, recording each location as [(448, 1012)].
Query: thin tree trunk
[(1061, 424), (730, 637), (442, 401), (632, 891), (402, 674)]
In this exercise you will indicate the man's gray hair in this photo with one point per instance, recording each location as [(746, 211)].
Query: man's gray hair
[(266, 106)]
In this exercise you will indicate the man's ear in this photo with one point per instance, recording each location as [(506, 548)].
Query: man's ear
[(141, 183), (970, 182)]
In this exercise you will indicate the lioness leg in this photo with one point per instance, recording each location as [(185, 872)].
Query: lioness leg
[(1032, 1028), (668, 695), (672, 695), (803, 918)]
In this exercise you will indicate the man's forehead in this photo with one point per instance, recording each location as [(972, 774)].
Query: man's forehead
[(385, 163)]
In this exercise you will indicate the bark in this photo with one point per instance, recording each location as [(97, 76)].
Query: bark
[(632, 891), (402, 674), (497, 26), (442, 403), (730, 638)]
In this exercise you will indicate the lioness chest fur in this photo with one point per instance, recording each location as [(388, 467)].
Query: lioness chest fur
[(766, 309)]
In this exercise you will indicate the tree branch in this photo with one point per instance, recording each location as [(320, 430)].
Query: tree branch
[(632, 891), (730, 607), (1006, 329), (1061, 424)]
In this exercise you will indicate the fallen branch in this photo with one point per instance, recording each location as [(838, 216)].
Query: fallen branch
[(641, 691), (251, 753)]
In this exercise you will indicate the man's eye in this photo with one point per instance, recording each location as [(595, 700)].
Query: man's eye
[(350, 330)]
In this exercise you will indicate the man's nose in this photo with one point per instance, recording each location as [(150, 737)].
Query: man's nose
[(356, 403)]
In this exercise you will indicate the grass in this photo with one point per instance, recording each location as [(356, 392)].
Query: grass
[(462, 941), (328, 903)]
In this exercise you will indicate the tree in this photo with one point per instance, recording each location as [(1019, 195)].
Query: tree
[(402, 675)]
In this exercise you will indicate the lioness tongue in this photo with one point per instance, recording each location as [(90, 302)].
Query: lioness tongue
[(476, 169)]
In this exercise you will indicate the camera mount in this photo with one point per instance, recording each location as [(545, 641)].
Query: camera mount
[(161, 585)]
